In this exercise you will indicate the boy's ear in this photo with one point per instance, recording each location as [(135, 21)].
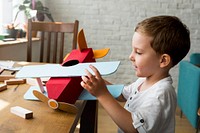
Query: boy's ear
[(165, 60)]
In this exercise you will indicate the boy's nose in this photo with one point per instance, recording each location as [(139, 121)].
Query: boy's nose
[(131, 57)]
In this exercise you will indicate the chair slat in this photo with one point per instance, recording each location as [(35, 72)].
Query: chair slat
[(55, 47), (61, 47), (48, 46), (42, 46)]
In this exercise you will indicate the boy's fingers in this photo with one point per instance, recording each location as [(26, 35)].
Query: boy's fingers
[(83, 84), (90, 76), (88, 73), (86, 81), (94, 69), (84, 78)]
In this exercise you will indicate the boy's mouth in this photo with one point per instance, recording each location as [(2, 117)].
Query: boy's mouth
[(134, 66)]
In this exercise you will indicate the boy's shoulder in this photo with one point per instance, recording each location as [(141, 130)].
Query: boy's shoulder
[(164, 87)]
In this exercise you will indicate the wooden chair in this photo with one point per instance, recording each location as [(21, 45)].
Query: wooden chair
[(52, 37)]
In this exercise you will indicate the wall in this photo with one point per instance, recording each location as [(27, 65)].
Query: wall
[(110, 23)]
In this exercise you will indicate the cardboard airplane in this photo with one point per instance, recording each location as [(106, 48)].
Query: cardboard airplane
[(63, 88)]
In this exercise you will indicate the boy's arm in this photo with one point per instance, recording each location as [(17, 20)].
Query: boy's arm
[(97, 87), (121, 97), (107, 83)]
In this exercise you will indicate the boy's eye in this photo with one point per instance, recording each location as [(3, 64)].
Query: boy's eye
[(137, 52)]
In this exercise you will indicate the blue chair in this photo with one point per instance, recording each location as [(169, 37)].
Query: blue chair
[(188, 95)]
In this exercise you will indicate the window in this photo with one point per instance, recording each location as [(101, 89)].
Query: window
[(5, 13), (8, 12)]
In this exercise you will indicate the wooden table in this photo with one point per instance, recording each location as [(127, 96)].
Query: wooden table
[(45, 119)]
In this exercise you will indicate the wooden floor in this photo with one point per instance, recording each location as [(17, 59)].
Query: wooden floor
[(182, 124), (106, 125)]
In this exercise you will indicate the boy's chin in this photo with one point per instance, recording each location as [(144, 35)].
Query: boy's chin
[(139, 75)]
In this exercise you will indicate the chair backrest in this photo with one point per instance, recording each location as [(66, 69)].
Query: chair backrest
[(51, 32), (188, 95), (195, 59)]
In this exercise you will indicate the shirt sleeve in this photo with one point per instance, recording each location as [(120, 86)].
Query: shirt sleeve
[(147, 117)]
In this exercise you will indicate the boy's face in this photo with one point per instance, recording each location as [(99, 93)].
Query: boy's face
[(145, 60)]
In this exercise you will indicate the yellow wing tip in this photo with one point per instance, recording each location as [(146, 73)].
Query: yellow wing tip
[(99, 53)]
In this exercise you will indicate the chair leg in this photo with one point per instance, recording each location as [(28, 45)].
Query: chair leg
[(197, 130), (181, 114), (198, 126)]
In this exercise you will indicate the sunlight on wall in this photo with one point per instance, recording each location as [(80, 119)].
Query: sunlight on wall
[(3, 104)]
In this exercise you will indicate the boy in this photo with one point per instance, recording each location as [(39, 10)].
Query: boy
[(158, 44)]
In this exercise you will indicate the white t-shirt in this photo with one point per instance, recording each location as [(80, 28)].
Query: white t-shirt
[(153, 110)]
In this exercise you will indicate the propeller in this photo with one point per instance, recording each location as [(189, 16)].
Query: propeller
[(70, 108)]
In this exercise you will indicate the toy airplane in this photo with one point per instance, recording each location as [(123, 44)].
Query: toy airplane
[(64, 85)]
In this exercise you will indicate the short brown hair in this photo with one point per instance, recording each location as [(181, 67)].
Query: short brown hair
[(170, 36)]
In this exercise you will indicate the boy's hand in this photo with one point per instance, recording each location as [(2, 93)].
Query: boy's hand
[(94, 84)]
